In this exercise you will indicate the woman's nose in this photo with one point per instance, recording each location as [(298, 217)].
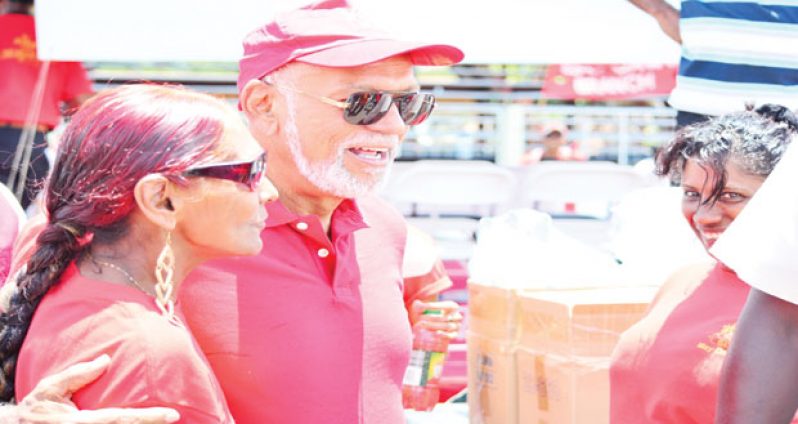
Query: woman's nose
[(266, 191)]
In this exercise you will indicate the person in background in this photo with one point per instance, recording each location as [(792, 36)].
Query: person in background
[(758, 380), (722, 68), (555, 146), (424, 273), (666, 368), (65, 86), (141, 173)]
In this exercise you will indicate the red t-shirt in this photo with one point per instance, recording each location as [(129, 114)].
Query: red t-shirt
[(312, 330), (19, 71), (666, 368), (153, 362)]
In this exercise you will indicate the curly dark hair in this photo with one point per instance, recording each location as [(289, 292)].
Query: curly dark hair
[(754, 140)]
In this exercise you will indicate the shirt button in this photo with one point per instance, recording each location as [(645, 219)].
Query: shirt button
[(301, 226), (323, 253)]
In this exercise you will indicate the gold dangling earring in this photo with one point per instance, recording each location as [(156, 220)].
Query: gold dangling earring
[(164, 274)]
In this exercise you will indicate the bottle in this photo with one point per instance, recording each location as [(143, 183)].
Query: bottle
[(420, 390)]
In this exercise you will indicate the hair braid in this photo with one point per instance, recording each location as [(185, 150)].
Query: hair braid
[(57, 246)]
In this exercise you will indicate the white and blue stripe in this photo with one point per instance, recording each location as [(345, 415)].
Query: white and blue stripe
[(734, 52)]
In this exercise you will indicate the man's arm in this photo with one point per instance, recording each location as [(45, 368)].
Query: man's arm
[(665, 14), (758, 382)]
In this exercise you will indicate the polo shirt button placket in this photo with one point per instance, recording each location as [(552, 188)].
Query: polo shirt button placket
[(323, 253)]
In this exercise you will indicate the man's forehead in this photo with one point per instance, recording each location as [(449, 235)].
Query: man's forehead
[(396, 71)]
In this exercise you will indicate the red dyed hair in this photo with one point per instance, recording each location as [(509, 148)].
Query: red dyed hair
[(114, 140)]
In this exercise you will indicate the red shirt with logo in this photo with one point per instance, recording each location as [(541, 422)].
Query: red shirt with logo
[(19, 71), (666, 368)]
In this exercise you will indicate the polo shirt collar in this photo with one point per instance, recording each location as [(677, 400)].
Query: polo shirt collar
[(346, 217)]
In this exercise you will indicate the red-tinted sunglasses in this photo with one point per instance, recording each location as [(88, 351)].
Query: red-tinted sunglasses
[(368, 107), (248, 173)]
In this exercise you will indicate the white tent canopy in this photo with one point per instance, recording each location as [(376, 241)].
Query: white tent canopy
[(495, 31)]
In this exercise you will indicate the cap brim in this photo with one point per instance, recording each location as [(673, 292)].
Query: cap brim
[(365, 52)]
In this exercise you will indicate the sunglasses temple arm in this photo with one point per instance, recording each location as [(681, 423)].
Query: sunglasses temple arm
[(331, 102)]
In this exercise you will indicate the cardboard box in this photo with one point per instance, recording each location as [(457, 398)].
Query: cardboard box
[(555, 389), (493, 312), (564, 350), (579, 322), (493, 330), (492, 379)]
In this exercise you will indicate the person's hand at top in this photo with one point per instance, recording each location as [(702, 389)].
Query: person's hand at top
[(666, 15)]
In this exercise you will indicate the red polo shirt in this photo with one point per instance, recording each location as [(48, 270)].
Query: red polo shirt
[(314, 329)]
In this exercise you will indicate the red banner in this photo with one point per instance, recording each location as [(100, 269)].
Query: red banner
[(608, 82)]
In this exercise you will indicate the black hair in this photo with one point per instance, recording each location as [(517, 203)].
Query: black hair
[(755, 140)]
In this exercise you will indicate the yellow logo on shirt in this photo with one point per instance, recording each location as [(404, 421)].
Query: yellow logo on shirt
[(720, 341), (24, 50)]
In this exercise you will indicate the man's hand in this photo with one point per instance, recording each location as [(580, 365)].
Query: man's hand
[(50, 402), (447, 322)]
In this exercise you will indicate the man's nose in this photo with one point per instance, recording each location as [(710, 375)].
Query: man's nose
[(391, 123)]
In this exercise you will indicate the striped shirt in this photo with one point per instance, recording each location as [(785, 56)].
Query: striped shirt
[(735, 52)]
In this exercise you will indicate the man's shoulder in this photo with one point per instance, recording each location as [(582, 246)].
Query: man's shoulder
[(377, 211)]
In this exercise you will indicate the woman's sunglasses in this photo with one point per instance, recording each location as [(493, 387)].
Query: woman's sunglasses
[(248, 173), (368, 107)]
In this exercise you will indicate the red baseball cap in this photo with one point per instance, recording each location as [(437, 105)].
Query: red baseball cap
[(329, 33)]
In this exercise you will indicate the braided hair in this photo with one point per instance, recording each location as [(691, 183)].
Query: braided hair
[(755, 140), (113, 141)]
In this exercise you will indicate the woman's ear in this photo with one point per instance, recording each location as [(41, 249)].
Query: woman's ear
[(257, 102), (153, 195)]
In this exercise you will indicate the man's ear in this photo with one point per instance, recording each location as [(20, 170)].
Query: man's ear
[(153, 195), (257, 101)]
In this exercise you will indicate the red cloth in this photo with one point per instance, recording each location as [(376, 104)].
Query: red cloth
[(296, 336), (666, 368), (19, 71), (153, 362), (9, 227)]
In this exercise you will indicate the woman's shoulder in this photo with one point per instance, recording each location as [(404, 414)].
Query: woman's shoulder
[(683, 282)]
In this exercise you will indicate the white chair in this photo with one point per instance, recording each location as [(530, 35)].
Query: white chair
[(594, 185), (447, 198), (440, 187)]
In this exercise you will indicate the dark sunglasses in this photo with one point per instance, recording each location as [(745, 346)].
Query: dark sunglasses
[(368, 107), (248, 173)]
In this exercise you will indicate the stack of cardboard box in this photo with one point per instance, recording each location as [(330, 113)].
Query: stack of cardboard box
[(543, 356)]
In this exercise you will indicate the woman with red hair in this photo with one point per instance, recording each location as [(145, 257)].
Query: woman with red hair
[(148, 182)]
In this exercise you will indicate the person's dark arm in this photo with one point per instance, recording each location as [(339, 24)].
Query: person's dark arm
[(759, 382), (666, 15)]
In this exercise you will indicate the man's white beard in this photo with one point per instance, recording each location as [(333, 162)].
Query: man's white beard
[(331, 176)]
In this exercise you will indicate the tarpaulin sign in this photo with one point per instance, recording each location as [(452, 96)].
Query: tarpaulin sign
[(608, 82)]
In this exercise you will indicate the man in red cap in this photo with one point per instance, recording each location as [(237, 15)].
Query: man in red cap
[(315, 329)]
